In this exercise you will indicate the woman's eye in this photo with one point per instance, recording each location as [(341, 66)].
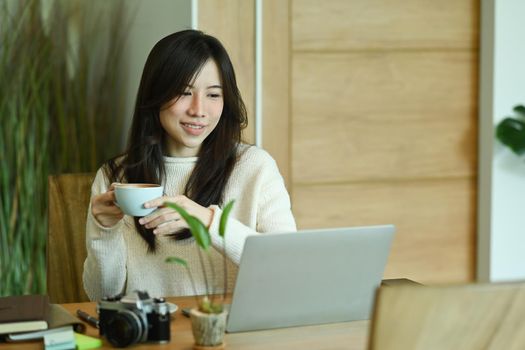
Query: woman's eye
[(214, 95), (186, 93)]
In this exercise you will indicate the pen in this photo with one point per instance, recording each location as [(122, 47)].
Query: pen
[(84, 316), (186, 311)]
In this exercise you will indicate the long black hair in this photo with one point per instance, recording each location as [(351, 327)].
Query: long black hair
[(171, 65)]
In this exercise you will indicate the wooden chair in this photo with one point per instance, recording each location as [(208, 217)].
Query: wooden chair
[(475, 316), (69, 196)]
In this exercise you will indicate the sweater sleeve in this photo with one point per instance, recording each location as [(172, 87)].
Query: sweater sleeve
[(105, 265), (272, 207)]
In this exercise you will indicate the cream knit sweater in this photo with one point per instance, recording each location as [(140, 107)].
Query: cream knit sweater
[(118, 260)]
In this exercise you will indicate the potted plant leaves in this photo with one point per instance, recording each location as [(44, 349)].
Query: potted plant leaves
[(208, 318), (511, 131)]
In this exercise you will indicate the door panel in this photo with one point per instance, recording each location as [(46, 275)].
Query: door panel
[(435, 222)]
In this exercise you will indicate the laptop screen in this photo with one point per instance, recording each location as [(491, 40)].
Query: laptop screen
[(309, 277)]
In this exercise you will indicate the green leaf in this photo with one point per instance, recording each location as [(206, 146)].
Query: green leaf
[(520, 109), (208, 307), (175, 260), (200, 232), (197, 228), (216, 308), (224, 218), (511, 132)]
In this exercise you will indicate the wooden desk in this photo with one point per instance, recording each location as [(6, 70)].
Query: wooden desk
[(348, 335)]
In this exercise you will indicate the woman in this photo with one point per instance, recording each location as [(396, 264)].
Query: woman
[(185, 135)]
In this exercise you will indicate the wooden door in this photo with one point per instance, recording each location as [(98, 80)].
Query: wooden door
[(370, 108)]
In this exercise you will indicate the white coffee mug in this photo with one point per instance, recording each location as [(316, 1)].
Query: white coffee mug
[(131, 197)]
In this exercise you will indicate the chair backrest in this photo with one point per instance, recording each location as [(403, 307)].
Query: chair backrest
[(473, 316), (66, 243)]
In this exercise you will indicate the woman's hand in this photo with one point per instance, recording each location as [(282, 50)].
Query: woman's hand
[(104, 209), (166, 220)]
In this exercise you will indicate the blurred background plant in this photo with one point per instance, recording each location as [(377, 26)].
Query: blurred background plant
[(61, 110), (511, 131)]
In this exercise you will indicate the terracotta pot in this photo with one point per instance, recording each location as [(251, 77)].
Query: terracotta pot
[(208, 329)]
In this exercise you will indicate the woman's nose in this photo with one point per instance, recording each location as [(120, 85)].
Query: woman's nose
[(196, 107)]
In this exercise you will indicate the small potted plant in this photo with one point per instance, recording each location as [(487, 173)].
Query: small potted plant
[(511, 131), (208, 319)]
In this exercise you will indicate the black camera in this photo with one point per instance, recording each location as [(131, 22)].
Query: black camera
[(134, 318)]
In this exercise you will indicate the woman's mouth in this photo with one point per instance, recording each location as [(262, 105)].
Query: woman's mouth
[(193, 129)]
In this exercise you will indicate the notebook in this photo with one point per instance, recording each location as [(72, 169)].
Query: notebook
[(23, 313), (309, 277), (57, 318)]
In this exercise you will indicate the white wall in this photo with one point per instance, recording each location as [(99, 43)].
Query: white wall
[(501, 223), (151, 21)]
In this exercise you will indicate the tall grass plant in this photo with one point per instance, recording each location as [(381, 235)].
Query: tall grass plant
[(61, 110)]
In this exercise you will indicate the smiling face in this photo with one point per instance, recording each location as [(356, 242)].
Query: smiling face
[(188, 119)]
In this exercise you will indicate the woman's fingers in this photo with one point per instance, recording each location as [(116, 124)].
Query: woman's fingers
[(169, 227), (157, 202), (113, 185), (159, 217), (105, 199), (167, 220), (111, 198), (104, 209), (113, 210), (161, 201)]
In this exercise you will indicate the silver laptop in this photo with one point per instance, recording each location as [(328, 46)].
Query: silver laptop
[(309, 277)]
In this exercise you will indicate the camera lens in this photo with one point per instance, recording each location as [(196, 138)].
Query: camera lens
[(124, 328)]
